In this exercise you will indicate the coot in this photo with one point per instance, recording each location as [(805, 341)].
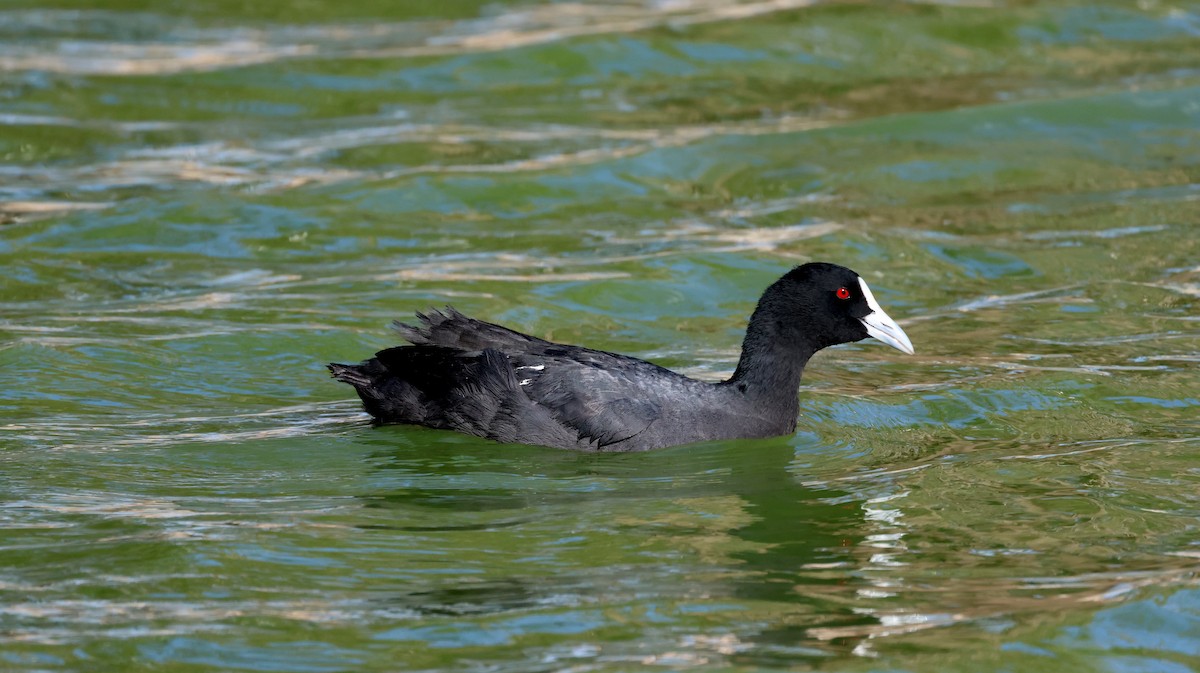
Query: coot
[(486, 380)]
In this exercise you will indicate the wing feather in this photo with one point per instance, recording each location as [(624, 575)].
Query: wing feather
[(478, 377)]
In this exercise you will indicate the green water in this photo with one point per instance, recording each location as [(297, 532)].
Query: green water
[(203, 202)]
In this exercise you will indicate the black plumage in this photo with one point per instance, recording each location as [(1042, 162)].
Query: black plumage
[(486, 380)]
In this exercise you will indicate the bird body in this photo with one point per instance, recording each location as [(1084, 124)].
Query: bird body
[(482, 379)]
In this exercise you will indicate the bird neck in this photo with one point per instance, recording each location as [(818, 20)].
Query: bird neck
[(772, 362)]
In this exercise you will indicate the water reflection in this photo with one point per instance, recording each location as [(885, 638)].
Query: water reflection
[(734, 514)]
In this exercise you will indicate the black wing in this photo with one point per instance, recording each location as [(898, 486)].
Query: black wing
[(447, 327), (477, 377), (491, 394), (603, 407)]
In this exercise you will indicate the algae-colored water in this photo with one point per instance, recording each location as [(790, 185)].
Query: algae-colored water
[(203, 202)]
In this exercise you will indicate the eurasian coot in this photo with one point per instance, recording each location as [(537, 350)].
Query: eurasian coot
[(486, 380)]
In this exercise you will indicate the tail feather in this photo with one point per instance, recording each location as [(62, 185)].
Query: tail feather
[(355, 375), (384, 396)]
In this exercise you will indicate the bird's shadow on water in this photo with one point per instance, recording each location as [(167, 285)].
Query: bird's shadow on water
[(459, 483)]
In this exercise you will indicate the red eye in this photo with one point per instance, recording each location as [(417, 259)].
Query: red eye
[(843, 293)]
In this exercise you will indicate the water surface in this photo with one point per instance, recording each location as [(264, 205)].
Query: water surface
[(202, 203)]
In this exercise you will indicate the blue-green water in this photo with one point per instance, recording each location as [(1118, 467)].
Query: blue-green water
[(204, 202)]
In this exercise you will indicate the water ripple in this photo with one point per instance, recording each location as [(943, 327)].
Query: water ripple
[(191, 49)]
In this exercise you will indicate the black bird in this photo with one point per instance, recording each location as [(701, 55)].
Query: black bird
[(486, 380)]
